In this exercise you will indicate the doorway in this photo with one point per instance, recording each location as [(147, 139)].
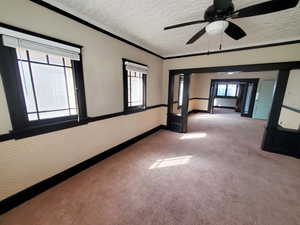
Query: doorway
[(178, 102), (263, 101), (235, 94)]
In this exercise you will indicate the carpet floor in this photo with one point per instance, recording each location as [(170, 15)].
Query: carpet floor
[(214, 175)]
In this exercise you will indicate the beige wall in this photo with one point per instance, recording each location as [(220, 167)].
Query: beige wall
[(27, 161), (288, 118), (5, 124), (198, 104)]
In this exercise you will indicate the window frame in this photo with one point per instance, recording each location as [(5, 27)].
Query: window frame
[(226, 90), (21, 126), (133, 109)]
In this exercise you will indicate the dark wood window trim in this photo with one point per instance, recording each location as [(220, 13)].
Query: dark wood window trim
[(16, 102), (133, 109)]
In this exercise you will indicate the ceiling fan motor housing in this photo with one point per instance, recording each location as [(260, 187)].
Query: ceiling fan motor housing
[(213, 14)]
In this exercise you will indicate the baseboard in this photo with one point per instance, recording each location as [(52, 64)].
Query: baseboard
[(224, 107), (25, 195), (198, 111)]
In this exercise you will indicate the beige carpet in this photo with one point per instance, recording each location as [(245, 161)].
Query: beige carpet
[(214, 175)]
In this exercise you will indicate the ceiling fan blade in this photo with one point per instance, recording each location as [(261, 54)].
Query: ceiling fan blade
[(234, 31), (265, 8), (196, 36), (222, 4), (185, 24)]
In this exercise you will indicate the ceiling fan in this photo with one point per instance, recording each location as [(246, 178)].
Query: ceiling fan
[(217, 15)]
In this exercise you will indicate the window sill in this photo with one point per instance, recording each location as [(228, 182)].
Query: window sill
[(43, 129), (134, 110)]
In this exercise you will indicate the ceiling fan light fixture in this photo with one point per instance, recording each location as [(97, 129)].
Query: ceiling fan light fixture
[(216, 27)]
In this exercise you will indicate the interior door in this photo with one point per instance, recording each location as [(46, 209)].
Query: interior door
[(213, 91), (249, 98), (264, 99), (178, 102)]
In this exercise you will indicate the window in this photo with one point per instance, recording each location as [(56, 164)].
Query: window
[(47, 84), (221, 90), (135, 75), (180, 91), (231, 90), (43, 83), (227, 90)]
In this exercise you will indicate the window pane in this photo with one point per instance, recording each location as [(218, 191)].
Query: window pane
[(27, 87), (180, 92), (231, 90), (32, 116), (221, 90), (67, 62), (49, 115), (136, 90), (129, 89), (71, 88), (56, 60), (50, 87), (21, 53), (37, 56), (74, 112)]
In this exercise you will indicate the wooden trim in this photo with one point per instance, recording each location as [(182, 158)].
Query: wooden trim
[(6, 137), (241, 68), (224, 107), (79, 20), (196, 98), (156, 106), (25, 195), (198, 111), (61, 126), (291, 108), (235, 49)]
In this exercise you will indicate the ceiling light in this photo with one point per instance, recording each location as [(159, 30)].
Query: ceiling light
[(216, 27)]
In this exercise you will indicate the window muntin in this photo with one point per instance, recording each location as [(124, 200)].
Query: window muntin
[(135, 88), (48, 85)]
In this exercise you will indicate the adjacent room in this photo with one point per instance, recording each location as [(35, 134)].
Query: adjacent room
[(150, 112)]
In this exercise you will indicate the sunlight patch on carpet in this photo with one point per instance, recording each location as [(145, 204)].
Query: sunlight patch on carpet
[(169, 162), (193, 136)]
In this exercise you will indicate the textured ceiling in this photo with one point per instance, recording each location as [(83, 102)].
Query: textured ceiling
[(142, 22)]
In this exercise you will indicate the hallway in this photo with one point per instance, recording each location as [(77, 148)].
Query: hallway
[(214, 175)]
